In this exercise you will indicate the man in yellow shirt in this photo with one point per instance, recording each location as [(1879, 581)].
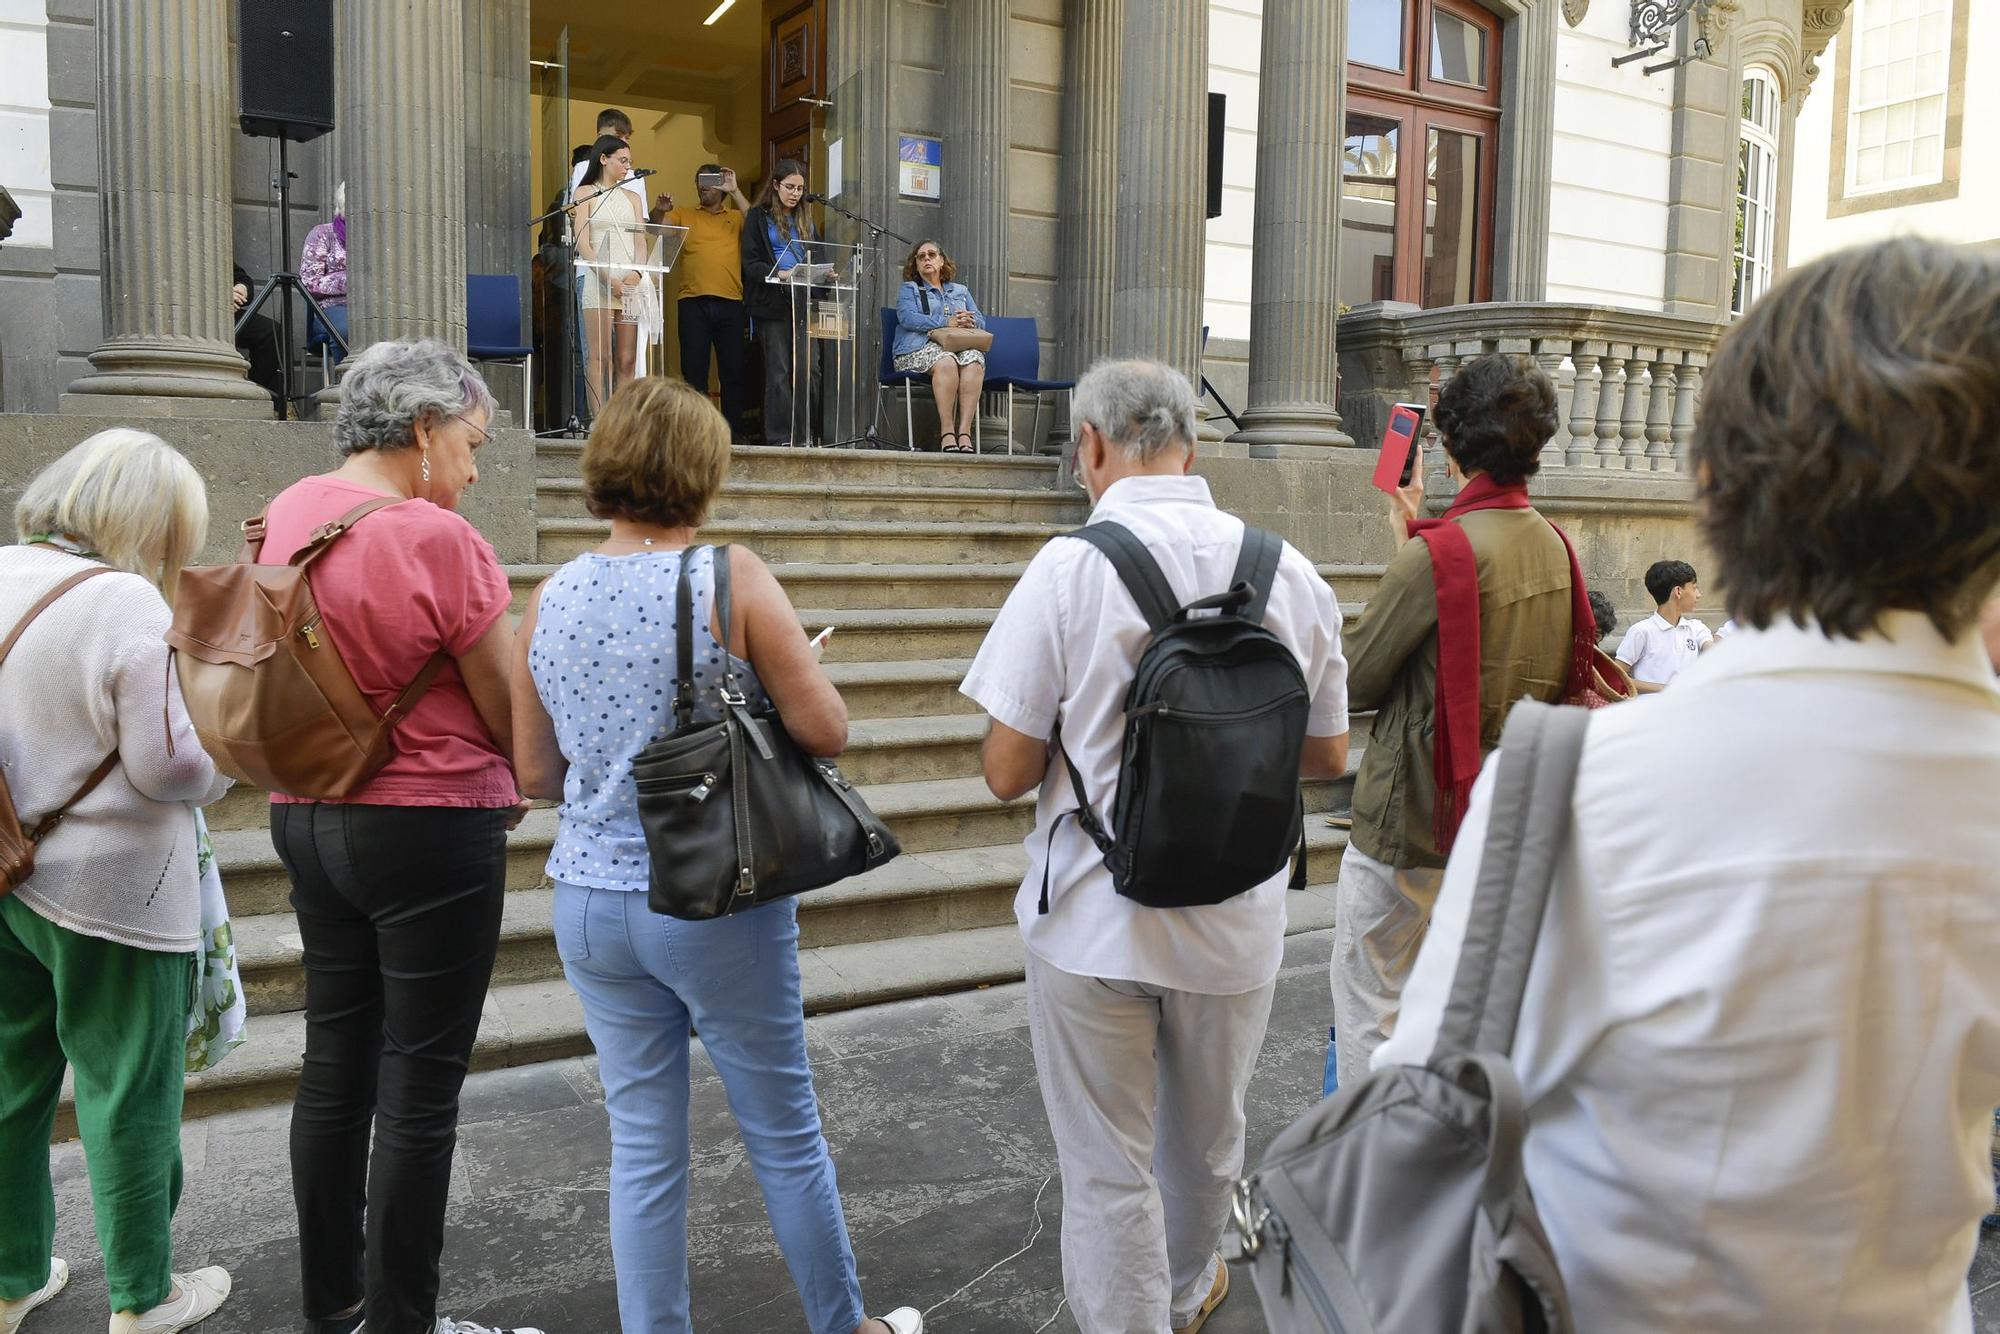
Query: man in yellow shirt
[(711, 273)]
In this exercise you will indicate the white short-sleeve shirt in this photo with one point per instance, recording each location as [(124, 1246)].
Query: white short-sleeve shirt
[(1659, 651), (1760, 1041), (1065, 646)]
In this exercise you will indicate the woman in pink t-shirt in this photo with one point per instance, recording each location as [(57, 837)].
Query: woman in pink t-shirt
[(398, 886)]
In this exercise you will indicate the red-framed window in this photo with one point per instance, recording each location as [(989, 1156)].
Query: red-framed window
[(1420, 163)]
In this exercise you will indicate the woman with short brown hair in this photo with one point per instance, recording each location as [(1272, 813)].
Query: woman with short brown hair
[(595, 676)]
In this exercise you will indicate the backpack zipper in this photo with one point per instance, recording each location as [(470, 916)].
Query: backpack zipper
[(1160, 710), (310, 633)]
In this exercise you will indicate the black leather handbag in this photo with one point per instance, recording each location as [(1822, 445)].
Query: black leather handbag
[(735, 814)]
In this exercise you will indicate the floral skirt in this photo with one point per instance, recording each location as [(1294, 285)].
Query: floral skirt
[(930, 354)]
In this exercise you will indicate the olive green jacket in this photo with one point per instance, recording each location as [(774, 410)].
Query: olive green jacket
[(1524, 649)]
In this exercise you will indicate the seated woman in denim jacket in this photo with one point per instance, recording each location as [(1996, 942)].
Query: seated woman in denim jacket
[(931, 300)]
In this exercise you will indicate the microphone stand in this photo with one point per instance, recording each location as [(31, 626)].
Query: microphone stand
[(870, 438)]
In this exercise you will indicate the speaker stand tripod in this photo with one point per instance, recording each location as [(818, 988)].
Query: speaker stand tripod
[(285, 284)]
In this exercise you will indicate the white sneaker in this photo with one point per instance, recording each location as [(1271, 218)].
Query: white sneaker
[(446, 1325), (196, 1297), (904, 1320), (12, 1313)]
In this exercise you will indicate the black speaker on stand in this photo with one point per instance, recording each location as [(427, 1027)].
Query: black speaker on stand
[(284, 52)]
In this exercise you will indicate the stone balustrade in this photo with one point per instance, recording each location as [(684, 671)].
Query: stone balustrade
[(1627, 381)]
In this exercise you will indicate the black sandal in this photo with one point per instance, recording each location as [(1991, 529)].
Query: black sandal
[(965, 448)]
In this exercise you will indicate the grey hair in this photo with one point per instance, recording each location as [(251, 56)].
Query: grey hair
[(393, 387), (1139, 407)]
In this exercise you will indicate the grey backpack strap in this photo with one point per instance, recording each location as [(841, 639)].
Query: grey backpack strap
[(1529, 823)]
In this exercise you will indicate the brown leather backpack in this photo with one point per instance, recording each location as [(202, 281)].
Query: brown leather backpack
[(17, 844), (268, 692)]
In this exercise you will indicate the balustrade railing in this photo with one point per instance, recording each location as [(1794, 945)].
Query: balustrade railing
[(1627, 381)]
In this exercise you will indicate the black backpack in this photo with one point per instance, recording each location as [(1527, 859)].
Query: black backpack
[(1208, 783)]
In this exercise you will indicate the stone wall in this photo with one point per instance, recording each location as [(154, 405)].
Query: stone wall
[(247, 462)]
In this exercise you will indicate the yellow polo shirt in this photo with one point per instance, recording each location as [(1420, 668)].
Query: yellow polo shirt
[(711, 263)]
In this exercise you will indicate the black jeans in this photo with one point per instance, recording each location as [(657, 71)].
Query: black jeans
[(789, 418), (258, 342), (715, 322), (399, 910)]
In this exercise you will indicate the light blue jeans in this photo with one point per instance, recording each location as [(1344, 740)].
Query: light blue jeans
[(644, 979)]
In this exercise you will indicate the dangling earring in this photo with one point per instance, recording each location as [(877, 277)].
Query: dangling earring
[(427, 465)]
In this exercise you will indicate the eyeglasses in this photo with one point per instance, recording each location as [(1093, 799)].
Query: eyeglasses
[(484, 436)]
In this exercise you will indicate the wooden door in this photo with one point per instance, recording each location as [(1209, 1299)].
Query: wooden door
[(794, 80)]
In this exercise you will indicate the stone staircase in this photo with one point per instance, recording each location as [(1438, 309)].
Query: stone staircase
[(909, 556)]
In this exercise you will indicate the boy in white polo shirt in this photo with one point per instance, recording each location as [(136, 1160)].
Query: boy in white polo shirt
[(1657, 648)]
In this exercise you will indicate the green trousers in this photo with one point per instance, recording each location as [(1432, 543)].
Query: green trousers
[(118, 1016)]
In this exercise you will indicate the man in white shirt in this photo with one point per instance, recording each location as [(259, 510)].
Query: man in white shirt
[(1760, 1063), (1655, 650), (1146, 1021)]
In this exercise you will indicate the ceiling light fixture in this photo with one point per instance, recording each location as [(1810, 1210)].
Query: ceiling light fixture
[(720, 10)]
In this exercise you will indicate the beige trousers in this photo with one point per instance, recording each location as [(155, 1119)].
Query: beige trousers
[(1144, 1089), (1381, 915)]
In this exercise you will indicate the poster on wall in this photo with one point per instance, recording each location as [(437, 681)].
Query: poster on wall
[(922, 161)]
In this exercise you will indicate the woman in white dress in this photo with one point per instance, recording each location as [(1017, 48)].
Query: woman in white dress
[(604, 215)]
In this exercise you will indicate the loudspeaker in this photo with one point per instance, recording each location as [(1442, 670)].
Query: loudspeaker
[(284, 56), (1216, 101)]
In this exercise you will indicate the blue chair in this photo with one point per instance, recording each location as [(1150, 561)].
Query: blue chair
[(493, 329), (888, 377), (1016, 363)]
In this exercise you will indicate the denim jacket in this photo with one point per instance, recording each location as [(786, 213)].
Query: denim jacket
[(914, 324)]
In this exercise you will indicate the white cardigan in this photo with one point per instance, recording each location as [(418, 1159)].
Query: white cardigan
[(89, 675)]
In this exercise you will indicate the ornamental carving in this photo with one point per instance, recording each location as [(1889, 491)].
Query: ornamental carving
[(1574, 10)]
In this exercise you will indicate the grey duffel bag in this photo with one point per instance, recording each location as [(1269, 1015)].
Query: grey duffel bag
[(1399, 1205)]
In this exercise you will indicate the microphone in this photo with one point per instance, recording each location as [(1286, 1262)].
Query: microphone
[(644, 172), (815, 197)]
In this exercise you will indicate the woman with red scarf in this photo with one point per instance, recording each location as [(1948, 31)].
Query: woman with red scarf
[(1476, 610)]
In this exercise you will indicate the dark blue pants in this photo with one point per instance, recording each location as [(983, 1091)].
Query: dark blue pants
[(714, 323)]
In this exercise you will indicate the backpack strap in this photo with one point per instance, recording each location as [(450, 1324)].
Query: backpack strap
[(103, 770), (1137, 569), (1529, 823), (1257, 567), (326, 534)]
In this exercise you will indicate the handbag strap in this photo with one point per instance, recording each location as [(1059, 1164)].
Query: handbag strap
[(103, 770), (1529, 823)]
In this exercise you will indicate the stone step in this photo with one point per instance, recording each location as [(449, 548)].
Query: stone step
[(922, 687), (896, 634), (845, 584), (562, 498), (559, 458), (859, 541), (542, 1020), (915, 896)]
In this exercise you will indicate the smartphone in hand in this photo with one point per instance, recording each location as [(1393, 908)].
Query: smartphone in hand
[(1400, 448)]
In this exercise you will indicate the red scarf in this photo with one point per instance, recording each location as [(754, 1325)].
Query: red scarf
[(1456, 757)]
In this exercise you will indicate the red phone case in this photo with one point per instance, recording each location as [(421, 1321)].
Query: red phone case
[(1399, 437)]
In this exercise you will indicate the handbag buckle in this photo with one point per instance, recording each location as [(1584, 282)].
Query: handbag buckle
[(746, 882), (733, 699)]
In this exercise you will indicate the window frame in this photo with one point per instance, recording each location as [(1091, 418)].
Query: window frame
[(1419, 104), (1845, 199), (1759, 147)]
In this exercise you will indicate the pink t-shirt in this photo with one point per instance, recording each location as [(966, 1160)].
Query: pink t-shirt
[(400, 585)]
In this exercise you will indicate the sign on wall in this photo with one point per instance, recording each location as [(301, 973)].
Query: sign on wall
[(922, 162)]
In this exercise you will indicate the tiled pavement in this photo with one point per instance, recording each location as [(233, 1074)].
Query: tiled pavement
[(945, 1164)]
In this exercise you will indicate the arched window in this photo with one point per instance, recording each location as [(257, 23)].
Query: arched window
[(1756, 187), (1419, 163)]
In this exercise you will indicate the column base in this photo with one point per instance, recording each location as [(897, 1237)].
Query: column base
[(148, 378), (1291, 430)]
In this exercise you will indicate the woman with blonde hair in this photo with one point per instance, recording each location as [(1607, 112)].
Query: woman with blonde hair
[(98, 944), (652, 466)]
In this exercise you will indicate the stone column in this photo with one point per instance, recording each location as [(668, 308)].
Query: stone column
[(163, 124), (1087, 230), (403, 133), (499, 197), (1294, 273), (975, 220), (975, 143), (1156, 301)]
